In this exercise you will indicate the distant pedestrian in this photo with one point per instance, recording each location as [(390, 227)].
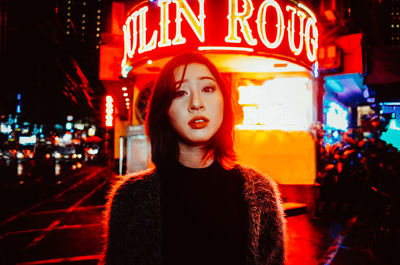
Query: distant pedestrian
[(197, 205)]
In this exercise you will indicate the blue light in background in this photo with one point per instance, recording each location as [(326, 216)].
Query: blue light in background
[(68, 126), (366, 93), (337, 116), (316, 69), (336, 121), (392, 135), (335, 134)]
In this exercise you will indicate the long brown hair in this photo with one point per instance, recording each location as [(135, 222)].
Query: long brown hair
[(163, 138)]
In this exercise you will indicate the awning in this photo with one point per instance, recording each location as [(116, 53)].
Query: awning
[(347, 88)]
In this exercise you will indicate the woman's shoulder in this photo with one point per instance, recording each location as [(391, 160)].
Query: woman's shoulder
[(256, 181), (251, 174), (129, 185), (130, 199)]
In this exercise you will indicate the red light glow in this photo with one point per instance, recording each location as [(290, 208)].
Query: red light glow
[(226, 48)]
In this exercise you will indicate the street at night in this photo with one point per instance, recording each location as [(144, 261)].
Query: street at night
[(61, 223)]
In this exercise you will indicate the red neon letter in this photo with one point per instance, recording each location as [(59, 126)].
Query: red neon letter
[(196, 24), (164, 22), (311, 43), (234, 16), (261, 24), (291, 29), (130, 31), (144, 47)]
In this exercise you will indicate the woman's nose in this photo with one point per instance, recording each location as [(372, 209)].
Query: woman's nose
[(196, 102)]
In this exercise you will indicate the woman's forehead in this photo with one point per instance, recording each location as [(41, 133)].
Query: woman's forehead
[(191, 70)]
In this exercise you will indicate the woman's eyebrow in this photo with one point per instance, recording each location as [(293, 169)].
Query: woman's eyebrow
[(207, 77), (180, 82)]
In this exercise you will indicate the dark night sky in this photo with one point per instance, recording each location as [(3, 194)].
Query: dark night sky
[(33, 60)]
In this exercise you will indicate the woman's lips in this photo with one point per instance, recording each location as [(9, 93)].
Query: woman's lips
[(198, 122)]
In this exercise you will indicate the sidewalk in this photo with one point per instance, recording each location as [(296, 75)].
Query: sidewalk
[(354, 246), (327, 240)]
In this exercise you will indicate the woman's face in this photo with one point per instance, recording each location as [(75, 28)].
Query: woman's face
[(196, 111)]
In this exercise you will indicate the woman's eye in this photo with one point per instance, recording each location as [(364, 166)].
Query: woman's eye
[(208, 89), (179, 93)]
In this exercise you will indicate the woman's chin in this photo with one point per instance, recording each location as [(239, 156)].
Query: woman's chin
[(196, 142)]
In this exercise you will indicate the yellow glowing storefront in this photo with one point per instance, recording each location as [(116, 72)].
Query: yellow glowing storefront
[(266, 51)]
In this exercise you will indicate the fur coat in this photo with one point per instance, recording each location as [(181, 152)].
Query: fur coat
[(133, 223)]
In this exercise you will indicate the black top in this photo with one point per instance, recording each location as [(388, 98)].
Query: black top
[(204, 216)]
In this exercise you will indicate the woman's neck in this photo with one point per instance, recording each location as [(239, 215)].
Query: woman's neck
[(192, 156)]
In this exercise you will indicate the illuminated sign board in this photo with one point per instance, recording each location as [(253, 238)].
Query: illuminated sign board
[(27, 140), (284, 29), (278, 104), (109, 111)]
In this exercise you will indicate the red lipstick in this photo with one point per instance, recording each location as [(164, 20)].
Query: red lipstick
[(198, 122)]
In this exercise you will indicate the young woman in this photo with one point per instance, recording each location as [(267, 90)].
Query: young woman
[(197, 206)]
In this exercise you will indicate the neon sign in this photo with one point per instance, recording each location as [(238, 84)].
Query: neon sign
[(109, 111), (274, 27), (261, 22)]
